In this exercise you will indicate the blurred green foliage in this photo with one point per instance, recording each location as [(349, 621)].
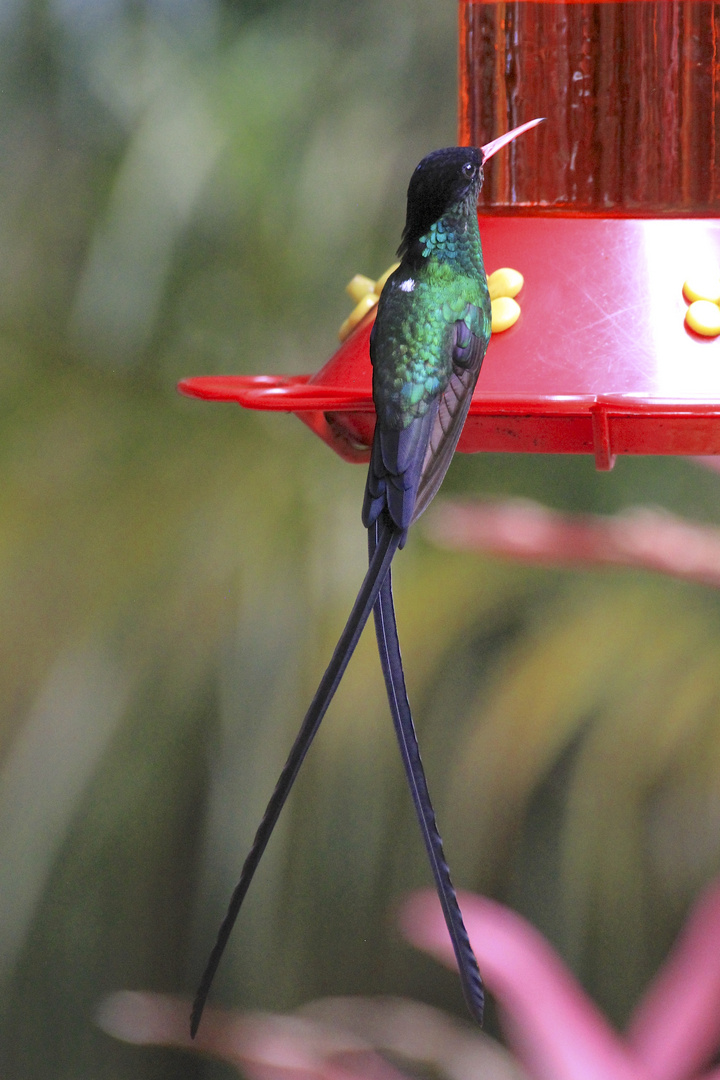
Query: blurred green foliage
[(186, 187)]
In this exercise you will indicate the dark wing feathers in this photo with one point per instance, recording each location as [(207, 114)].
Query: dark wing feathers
[(395, 470), (452, 410), (462, 345), (407, 465)]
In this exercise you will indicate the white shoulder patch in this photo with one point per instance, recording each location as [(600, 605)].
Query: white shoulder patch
[(407, 285)]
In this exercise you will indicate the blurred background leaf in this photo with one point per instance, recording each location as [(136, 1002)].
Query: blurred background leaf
[(186, 188)]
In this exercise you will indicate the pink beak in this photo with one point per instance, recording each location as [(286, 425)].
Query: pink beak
[(497, 144)]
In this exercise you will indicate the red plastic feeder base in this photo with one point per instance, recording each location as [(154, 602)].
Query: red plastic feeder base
[(600, 361)]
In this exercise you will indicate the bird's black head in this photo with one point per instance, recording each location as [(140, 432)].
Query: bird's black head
[(442, 180)]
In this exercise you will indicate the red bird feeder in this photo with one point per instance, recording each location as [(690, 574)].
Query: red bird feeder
[(606, 210)]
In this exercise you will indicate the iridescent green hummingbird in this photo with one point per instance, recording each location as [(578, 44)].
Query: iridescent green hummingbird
[(427, 344)]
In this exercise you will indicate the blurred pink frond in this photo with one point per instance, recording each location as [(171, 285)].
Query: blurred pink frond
[(521, 529), (676, 1026), (262, 1045), (556, 1030), (558, 1033)]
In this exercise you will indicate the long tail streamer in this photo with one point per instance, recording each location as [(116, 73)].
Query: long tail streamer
[(383, 553), (391, 661)]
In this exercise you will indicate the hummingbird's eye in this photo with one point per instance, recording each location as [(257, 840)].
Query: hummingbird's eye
[(468, 170)]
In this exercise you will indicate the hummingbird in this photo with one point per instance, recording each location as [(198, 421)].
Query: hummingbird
[(427, 344)]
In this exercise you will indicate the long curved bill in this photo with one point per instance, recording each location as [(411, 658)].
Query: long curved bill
[(497, 144)]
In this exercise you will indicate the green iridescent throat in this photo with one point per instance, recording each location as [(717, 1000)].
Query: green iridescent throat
[(454, 238)]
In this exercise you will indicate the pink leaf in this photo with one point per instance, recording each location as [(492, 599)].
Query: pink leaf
[(554, 1027), (676, 1027), (521, 529)]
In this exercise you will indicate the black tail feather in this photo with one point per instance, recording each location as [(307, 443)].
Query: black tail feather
[(379, 565), (391, 661)]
